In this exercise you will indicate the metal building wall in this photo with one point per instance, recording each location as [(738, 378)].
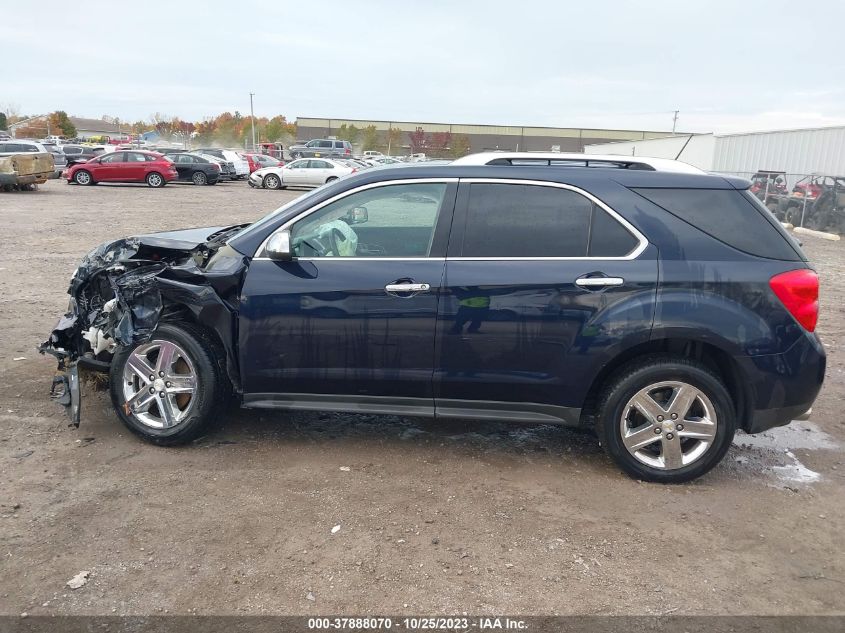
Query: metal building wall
[(481, 137), (820, 150)]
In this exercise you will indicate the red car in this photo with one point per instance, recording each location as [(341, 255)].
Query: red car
[(124, 166), (259, 161)]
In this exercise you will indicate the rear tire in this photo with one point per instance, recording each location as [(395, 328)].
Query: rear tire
[(188, 414), (331, 179), (657, 446), (199, 178), (155, 180)]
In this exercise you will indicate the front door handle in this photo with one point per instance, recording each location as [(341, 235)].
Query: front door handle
[(598, 282), (407, 287)]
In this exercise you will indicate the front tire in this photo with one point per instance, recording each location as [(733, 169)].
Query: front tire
[(155, 180), (167, 389), (272, 181), (83, 177), (666, 419)]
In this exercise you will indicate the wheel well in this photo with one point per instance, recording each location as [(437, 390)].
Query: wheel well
[(228, 363), (715, 359)]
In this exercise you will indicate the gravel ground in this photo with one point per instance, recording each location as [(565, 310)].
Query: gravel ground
[(434, 518)]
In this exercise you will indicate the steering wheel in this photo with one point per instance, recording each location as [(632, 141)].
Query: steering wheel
[(325, 245)]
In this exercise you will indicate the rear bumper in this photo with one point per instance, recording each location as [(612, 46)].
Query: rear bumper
[(783, 387)]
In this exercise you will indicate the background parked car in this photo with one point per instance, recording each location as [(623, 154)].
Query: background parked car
[(257, 161), (305, 172), (135, 166), (241, 167), (227, 169), (59, 160), (18, 146), (322, 148), (78, 153), (195, 168)]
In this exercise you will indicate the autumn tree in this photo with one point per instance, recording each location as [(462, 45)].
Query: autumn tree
[(278, 129), (461, 146), (440, 144), (370, 138), (347, 133), (59, 121), (419, 141), (394, 140)]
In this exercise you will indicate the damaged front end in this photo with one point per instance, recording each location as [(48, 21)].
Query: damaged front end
[(123, 289)]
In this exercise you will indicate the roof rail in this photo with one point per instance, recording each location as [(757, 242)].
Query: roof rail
[(558, 159)]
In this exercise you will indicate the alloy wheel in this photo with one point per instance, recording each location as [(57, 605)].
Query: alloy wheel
[(668, 425), (159, 383), (82, 177)]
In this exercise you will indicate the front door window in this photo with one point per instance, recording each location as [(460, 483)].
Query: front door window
[(389, 221)]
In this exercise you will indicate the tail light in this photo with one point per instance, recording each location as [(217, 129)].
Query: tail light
[(798, 291), (348, 151), (215, 166)]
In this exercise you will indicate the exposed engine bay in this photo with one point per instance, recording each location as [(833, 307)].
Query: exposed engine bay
[(122, 290)]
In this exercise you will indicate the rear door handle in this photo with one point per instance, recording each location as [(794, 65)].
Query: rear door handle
[(598, 282), (407, 287)]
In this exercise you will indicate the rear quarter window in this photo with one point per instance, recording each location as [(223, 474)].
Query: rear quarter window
[(728, 216)]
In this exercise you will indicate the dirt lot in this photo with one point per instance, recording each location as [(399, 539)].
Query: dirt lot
[(434, 518)]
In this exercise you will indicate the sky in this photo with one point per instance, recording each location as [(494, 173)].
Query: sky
[(726, 66)]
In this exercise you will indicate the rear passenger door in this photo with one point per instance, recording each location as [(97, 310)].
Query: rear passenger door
[(184, 166), (543, 285)]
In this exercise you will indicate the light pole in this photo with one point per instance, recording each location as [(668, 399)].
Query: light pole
[(252, 119)]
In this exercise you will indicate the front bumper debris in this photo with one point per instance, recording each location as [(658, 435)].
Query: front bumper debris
[(66, 390), (123, 289)]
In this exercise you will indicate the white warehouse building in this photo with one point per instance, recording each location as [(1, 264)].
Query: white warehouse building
[(795, 152)]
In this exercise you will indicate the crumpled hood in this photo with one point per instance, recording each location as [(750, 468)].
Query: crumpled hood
[(182, 239)]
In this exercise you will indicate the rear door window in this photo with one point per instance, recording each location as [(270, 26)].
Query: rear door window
[(728, 216), (535, 221)]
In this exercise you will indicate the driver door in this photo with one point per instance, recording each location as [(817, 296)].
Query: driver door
[(108, 168), (349, 323), (295, 172)]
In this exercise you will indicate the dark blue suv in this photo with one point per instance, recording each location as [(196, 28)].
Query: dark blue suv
[(664, 308)]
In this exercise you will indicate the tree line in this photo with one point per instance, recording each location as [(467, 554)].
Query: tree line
[(235, 130)]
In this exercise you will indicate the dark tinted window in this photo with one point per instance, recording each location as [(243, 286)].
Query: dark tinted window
[(608, 238), (526, 221), (728, 216)]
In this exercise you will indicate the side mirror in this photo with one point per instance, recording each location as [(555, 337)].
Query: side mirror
[(278, 246), (357, 215)]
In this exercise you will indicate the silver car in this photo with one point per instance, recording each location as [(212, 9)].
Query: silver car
[(305, 172)]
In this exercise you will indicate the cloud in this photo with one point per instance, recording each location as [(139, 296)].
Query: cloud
[(620, 64)]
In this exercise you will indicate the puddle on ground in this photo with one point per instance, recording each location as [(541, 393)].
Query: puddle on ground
[(772, 452)]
